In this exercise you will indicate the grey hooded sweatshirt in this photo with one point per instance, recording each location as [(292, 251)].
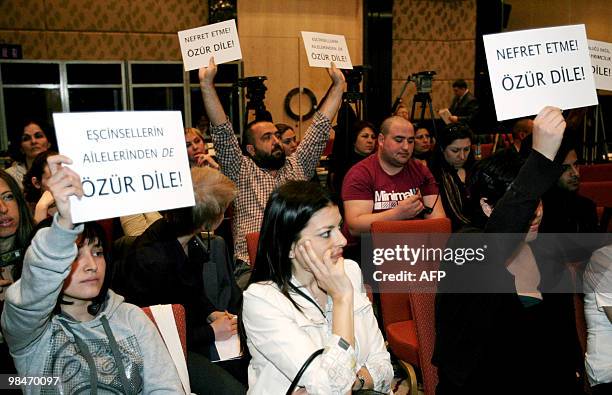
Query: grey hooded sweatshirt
[(118, 352)]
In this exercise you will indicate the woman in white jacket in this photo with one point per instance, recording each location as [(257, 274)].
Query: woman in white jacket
[(65, 328), (303, 296)]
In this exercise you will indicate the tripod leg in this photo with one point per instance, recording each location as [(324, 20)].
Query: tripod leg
[(433, 119), (423, 108)]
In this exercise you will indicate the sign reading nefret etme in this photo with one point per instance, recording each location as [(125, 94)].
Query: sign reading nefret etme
[(322, 49), (219, 40), (531, 69), (129, 162), (601, 64)]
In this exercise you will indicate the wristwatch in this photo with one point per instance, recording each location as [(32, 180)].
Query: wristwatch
[(361, 381)]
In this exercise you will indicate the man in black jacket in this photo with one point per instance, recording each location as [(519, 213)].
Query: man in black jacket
[(464, 106)]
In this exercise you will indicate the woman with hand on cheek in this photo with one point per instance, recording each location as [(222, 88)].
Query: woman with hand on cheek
[(303, 296), (196, 149)]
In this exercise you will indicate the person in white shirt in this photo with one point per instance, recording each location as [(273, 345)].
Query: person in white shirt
[(598, 314), (303, 296)]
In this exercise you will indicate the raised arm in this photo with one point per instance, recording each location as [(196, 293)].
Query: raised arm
[(212, 104), (31, 300), (225, 142), (330, 106)]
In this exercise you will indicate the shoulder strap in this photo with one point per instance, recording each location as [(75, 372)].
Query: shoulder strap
[(164, 318), (300, 372)]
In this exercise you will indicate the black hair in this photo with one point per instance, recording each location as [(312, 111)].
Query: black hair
[(282, 128), (460, 83), (569, 142), (17, 135), (247, 136), (358, 127), (452, 132), (31, 193), (287, 213), (26, 223), (91, 231), (451, 188), (490, 179)]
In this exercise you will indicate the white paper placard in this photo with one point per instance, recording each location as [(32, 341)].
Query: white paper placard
[(531, 69), (601, 64), (322, 49), (129, 162), (219, 40)]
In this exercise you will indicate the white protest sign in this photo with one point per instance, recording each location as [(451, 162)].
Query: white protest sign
[(322, 49), (601, 64), (129, 162), (530, 69), (219, 40)]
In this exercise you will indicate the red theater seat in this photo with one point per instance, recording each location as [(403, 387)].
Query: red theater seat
[(409, 317)]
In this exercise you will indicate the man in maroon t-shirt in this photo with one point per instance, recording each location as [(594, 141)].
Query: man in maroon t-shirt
[(389, 185)]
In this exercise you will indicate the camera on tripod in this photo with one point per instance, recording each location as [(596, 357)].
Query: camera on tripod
[(353, 79), (423, 81), (255, 89)]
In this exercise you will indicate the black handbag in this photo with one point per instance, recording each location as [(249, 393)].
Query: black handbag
[(300, 372)]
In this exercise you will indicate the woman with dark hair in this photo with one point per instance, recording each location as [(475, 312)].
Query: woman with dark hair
[(287, 137), (32, 141), (61, 320), (497, 331), (35, 188), (451, 162), (15, 229), (422, 145), (347, 151), (304, 296)]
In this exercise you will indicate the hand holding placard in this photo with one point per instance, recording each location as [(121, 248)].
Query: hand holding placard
[(63, 183), (207, 74), (548, 128)]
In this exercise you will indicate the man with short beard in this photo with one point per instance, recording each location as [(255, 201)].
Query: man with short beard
[(265, 166)]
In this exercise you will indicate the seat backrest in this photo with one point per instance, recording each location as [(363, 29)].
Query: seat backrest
[(252, 240), (396, 306), (435, 225), (181, 323), (598, 191), (599, 172), (421, 305), (486, 150)]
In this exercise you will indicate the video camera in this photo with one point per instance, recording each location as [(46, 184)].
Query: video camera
[(423, 81), (255, 90), (353, 78)]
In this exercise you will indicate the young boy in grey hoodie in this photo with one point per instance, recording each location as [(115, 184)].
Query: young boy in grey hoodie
[(65, 327)]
